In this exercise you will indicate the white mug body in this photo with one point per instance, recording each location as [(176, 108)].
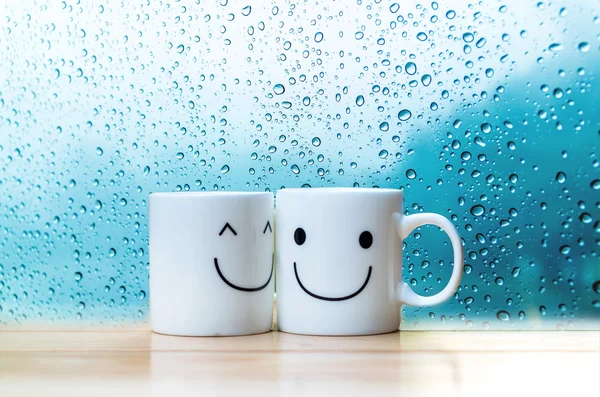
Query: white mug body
[(339, 260), (332, 265), (211, 263)]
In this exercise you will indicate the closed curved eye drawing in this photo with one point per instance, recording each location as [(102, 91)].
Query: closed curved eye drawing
[(267, 227), (227, 226)]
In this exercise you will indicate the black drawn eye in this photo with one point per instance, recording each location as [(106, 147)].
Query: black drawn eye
[(227, 226), (268, 226), (365, 239), (299, 236)]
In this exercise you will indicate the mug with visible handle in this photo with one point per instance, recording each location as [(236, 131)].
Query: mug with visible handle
[(339, 260)]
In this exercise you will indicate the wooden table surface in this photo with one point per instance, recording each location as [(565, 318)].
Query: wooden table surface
[(138, 362)]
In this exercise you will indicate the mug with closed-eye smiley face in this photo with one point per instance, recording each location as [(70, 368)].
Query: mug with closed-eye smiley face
[(339, 260), (211, 263)]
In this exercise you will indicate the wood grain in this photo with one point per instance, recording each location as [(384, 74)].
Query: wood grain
[(140, 363)]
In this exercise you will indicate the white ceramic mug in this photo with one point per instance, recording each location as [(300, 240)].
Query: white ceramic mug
[(339, 260), (211, 263)]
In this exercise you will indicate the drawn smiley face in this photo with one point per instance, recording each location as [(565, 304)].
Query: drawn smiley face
[(229, 228), (365, 240)]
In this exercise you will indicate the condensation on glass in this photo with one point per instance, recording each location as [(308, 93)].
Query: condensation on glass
[(484, 112)]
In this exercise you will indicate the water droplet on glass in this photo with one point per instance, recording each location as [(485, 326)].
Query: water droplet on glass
[(306, 101), (426, 79), (411, 174), (360, 100), (99, 151), (583, 47), (246, 10), (411, 68), (318, 37), (421, 36), (468, 37), (279, 89), (503, 315), (225, 169), (384, 126), (316, 141), (558, 93), (555, 47), (586, 218), (489, 72), (561, 177), (404, 114), (596, 286), (477, 210), (486, 128), (450, 14), (295, 169), (516, 271), (383, 154)]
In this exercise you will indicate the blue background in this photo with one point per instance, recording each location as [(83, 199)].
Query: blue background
[(486, 113)]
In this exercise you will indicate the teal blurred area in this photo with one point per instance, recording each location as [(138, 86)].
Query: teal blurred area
[(486, 113)]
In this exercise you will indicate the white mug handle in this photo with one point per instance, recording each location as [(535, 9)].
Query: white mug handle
[(404, 226)]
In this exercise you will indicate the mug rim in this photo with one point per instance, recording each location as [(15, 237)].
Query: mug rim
[(210, 194), (341, 189)]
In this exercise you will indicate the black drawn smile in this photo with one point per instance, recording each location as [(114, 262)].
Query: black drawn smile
[(343, 298), (247, 289)]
